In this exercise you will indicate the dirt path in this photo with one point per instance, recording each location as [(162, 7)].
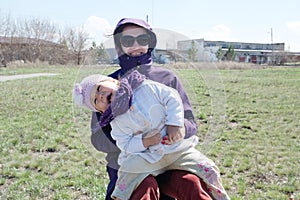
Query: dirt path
[(22, 76)]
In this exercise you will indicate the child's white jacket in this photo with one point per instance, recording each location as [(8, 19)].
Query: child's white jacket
[(154, 106)]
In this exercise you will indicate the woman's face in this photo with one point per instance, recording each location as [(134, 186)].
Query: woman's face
[(134, 40), (104, 94)]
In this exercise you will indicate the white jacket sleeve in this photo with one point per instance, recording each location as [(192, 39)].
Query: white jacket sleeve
[(125, 139), (170, 98)]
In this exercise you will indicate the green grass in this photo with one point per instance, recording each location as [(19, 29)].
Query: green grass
[(248, 124)]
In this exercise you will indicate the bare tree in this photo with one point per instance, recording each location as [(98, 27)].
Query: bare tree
[(76, 40), (8, 33), (40, 35), (7, 27), (39, 39), (2, 24)]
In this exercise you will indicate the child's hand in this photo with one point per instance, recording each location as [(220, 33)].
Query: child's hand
[(152, 140), (174, 134)]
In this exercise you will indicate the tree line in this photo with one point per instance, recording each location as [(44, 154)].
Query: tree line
[(36, 39)]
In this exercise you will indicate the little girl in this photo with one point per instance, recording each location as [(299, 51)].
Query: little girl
[(143, 114)]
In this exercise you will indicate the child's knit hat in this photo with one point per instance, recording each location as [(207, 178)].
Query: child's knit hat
[(82, 91)]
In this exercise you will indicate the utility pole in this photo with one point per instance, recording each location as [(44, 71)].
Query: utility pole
[(152, 9), (272, 61)]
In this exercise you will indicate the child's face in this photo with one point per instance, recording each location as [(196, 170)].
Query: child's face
[(104, 94)]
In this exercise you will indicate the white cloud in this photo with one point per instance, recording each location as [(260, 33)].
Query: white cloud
[(293, 26), (293, 40), (221, 28), (98, 29), (218, 32)]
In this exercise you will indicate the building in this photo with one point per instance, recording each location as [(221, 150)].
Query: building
[(258, 53)]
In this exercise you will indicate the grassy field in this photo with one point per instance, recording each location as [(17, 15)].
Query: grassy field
[(248, 124)]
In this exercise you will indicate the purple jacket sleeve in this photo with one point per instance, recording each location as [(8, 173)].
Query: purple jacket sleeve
[(103, 143), (189, 121)]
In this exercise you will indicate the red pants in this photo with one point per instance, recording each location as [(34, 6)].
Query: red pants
[(178, 184)]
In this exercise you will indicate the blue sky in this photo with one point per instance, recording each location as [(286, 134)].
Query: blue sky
[(231, 20)]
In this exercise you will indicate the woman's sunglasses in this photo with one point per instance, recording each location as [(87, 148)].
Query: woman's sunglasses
[(128, 41)]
